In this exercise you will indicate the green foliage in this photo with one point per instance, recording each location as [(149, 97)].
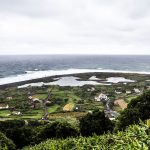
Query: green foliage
[(9, 124), (126, 118), (20, 136), (19, 131), (35, 123), (134, 138), (138, 109), (56, 130), (142, 104), (5, 143), (95, 123)]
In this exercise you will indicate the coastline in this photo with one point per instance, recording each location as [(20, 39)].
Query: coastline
[(83, 76)]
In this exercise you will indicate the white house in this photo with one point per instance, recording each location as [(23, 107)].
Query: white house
[(9, 98), (36, 100), (101, 97), (4, 106), (136, 90), (128, 92), (118, 92), (30, 97), (91, 89), (16, 113)]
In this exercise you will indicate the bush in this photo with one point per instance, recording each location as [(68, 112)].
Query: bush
[(9, 124), (6, 143), (142, 104), (134, 138), (95, 123), (126, 118), (138, 109), (20, 136), (57, 130)]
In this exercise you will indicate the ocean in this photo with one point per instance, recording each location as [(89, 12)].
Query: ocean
[(19, 68)]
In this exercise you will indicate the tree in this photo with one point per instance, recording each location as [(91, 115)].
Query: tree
[(142, 104), (9, 124), (56, 130), (6, 143), (126, 118), (95, 123), (20, 136), (138, 109)]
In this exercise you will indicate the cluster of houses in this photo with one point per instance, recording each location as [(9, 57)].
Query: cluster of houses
[(4, 106), (37, 103), (106, 101), (135, 90), (107, 110)]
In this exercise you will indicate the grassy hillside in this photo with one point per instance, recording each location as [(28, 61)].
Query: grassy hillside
[(134, 138)]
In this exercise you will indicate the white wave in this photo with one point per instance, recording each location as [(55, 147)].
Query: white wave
[(36, 69), (40, 74), (28, 71)]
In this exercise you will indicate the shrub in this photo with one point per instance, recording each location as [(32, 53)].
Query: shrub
[(57, 130), (134, 138), (6, 143), (95, 123), (138, 109), (9, 124), (20, 136)]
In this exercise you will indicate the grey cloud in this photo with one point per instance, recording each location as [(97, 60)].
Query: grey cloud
[(109, 26)]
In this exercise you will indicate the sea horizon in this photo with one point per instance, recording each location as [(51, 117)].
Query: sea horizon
[(16, 68)]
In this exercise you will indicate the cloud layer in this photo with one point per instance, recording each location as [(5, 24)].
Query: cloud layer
[(75, 26)]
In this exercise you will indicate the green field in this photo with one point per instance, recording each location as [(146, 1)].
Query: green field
[(79, 97)]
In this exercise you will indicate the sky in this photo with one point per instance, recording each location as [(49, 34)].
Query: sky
[(74, 27)]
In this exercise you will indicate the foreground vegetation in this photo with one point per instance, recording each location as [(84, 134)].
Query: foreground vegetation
[(134, 137)]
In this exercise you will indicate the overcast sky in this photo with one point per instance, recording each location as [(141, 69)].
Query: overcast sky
[(74, 26)]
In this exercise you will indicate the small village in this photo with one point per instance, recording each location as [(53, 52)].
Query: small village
[(55, 102)]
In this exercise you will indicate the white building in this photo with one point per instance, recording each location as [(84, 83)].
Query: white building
[(118, 92), (4, 106), (136, 90), (16, 113), (128, 92), (101, 97)]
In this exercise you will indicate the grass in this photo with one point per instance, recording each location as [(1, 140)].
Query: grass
[(40, 96), (54, 108), (66, 115), (129, 98), (66, 94), (4, 113), (30, 114)]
